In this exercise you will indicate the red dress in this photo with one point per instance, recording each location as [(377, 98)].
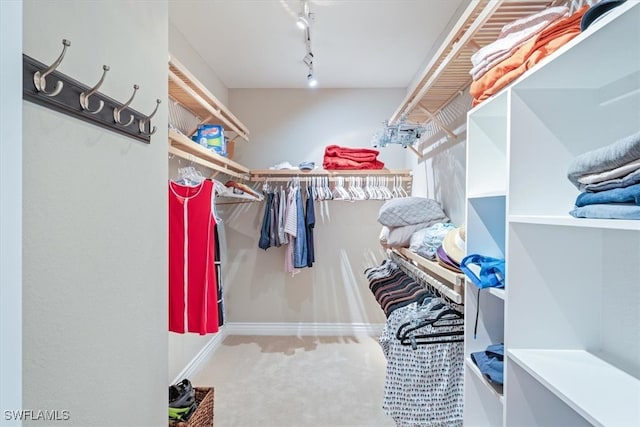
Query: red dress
[(193, 305)]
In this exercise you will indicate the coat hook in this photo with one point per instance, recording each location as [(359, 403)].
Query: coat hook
[(84, 96), (39, 77), (143, 122), (118, 110)]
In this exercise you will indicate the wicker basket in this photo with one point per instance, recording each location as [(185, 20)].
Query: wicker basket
[(203, 415)]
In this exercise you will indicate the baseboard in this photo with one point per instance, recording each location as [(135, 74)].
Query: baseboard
[(303, 329), (209, 348)]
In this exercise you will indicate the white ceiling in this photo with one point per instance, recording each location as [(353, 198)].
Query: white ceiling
[(356, 43)]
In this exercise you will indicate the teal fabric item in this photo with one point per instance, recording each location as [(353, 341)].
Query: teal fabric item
[(492, 270)]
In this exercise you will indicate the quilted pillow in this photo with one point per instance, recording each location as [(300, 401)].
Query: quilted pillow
[(409, 211)]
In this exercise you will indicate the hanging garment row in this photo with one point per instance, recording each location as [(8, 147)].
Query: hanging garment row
[(288, 220), (196, 235), (422, 341), (349, 188)]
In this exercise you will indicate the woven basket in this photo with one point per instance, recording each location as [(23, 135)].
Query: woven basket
[(203, 415)]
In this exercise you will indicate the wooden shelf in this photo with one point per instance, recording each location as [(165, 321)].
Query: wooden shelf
[(447, 74), (181, 146), (190, 93), (453, 286)]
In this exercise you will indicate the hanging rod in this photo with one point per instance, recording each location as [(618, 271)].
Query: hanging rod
[(451, 286), (284, 175)]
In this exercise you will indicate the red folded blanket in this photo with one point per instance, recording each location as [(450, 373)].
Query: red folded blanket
[(355, 154), (333, 163)]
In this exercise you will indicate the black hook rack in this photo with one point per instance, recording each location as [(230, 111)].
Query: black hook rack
[(67, 100)]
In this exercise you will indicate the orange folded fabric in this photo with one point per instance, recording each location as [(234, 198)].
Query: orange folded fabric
[(355, 154), (524, 58), (335, 163)]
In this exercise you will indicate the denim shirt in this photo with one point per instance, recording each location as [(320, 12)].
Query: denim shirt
[(300, 248)]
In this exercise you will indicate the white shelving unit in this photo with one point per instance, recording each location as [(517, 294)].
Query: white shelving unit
[(570, 313)]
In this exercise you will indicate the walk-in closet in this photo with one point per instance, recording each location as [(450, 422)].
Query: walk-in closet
[(320, 213)]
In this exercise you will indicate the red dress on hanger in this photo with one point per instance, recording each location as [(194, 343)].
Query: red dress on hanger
[(193, 302)]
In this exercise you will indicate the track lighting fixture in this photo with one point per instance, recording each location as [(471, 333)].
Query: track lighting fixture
[(304, 22)]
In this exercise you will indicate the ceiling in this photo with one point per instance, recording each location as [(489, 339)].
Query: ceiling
[(356, 43)]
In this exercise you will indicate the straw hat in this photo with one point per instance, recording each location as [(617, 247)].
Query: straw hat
[(454, 244)]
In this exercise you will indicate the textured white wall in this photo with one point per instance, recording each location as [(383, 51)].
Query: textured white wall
[(297, 124), (11, 208), (180, 48), (95, 223)]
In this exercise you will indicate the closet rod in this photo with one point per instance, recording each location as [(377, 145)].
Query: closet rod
[(455, 295), (302, 177)]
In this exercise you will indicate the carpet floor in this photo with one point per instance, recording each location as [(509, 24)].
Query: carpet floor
[(276, 381)]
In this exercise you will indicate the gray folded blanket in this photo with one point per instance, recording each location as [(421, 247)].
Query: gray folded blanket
[(619, 153)]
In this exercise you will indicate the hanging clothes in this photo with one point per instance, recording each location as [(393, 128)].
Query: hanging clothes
[(300, 248), (423, 386), (193, 297), (218, 263), (265, 239), (310, 220), (291, 229)]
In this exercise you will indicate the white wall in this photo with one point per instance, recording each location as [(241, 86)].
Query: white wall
[(440, 175), (11, 209), (180, 48), (95, 223), (296, 125)]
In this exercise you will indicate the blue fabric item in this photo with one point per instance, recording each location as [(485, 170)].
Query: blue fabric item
[(491, 362), (607, 211), (310, 220), (625, 181), (492, 270), (616, 195), (265, 241), (609, 157), (300, 247), (426, 242)]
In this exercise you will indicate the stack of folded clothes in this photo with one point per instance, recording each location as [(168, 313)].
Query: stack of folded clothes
[(609, 178), (521, 45), (345, 158)]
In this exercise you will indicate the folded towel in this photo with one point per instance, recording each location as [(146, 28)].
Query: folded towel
[(629, 194), (355, 154), (334, 163), (606, 158), (607, 211), (625, 181), (526, 56), (514, 35)]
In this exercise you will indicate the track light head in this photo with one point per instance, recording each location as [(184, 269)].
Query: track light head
[(311, 80), (308, 59), (303, 21)]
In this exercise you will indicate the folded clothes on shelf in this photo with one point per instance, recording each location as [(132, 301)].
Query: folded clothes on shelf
[(491, 362), (607, 211)]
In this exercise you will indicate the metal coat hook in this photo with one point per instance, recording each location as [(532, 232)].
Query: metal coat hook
[(143, 123), (84, 96), (39, 77), (118, 110)]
